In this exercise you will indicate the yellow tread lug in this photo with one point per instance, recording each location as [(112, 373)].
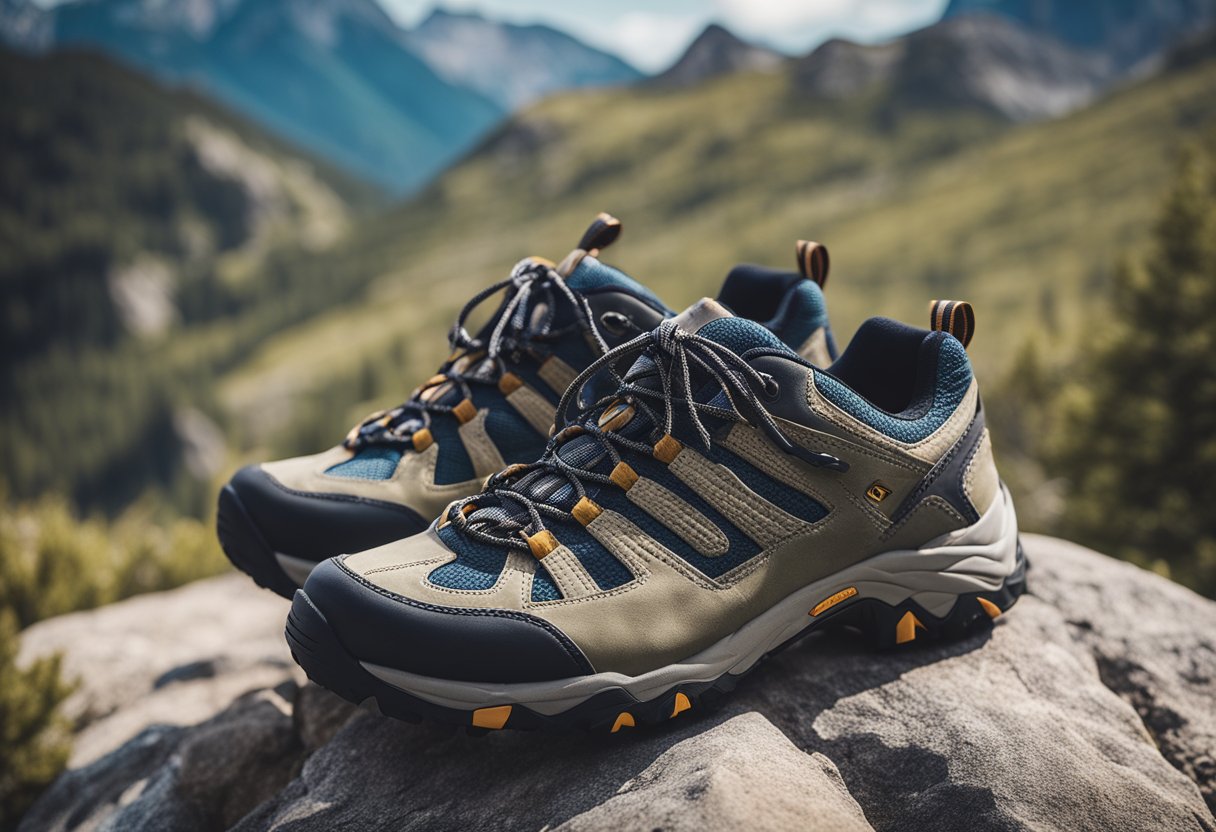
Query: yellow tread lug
[(905, 630), (682, 704), (493, 718), (992, 609), (623, 720)]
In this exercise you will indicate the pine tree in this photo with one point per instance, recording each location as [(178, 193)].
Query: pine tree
[(1137, 443)]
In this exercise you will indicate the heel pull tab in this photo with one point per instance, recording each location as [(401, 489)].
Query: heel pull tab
[(602, 232), (953, 316), (813, 261)]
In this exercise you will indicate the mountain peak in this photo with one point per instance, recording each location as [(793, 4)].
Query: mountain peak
[(440, 14), (1125, 32), (24, 25), (716, 51), (974, 62), (485, 55)]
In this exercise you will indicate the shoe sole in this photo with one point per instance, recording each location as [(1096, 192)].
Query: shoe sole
[(317, 650), (246, 548)]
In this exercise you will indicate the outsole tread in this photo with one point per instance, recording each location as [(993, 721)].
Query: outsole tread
[(315, 648)]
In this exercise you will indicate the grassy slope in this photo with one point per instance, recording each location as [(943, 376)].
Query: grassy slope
[(1025, 222)]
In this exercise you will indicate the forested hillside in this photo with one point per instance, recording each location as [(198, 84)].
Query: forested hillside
[(136, 226)]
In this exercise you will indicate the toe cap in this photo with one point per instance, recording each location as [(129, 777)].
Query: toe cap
[(317, 525), (457, 643)]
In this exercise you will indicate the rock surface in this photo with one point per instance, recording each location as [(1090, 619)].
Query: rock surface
[(1090, 705)]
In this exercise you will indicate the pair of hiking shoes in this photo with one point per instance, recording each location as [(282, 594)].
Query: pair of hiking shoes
[(601, 514)]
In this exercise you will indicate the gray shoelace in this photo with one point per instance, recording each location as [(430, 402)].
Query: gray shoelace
[(513, 332), (526, 494)]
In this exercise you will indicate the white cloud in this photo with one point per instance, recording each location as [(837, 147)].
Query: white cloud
[(798, 26)]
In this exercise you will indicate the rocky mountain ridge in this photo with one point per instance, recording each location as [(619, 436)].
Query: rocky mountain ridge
[(975, 62), (338, 77), (1087, 706), (510, 64), (333, 76), (716, 51), (1124, 32)]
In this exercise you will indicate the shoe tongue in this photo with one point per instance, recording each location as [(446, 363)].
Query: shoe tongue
[(701, 313)]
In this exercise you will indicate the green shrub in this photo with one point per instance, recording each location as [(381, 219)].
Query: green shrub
[(52, 562), (34, 738)]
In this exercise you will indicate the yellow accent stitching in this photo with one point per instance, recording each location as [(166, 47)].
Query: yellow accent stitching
[(667, 449), (832, 600), (465, 411), (624, 476), (509, 383), (542, 543), (585, 511)]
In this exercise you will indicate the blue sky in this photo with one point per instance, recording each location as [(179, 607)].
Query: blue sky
[(652, 34)]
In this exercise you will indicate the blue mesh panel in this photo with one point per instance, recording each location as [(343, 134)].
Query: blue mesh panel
[(953, 379), (528, 372), (742, 548), (592, 276), (601, 565), (543, 587), (741, 335), (477, 566), (575, 352), (516, 440), (371, 463), (453, 464), (778, 493)]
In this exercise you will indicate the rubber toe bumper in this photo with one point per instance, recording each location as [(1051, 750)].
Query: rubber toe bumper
[(258, 516), (456, 643)]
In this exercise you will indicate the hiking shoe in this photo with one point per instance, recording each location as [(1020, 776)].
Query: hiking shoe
[(491, 404), (723, 500)]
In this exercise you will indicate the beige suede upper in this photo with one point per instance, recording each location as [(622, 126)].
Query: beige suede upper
[(669, 610), (412, 483)]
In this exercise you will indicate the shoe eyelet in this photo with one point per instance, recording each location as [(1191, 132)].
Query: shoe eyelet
[(616, 323), (772, 389)]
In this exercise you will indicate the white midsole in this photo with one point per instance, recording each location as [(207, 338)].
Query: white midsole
[(298, 569), (974, 559)]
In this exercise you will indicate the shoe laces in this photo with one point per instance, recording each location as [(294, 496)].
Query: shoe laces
[(532, 285), (659, 383)]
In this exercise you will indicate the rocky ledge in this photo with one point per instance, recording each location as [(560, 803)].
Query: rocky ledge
[(1090, 705)]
